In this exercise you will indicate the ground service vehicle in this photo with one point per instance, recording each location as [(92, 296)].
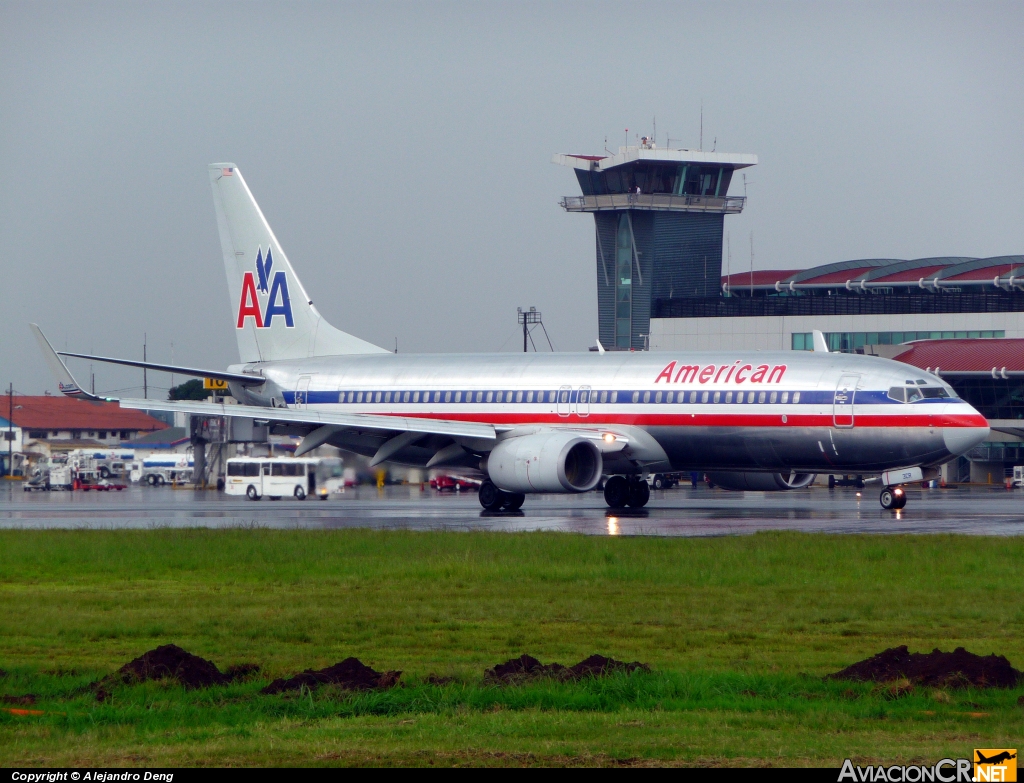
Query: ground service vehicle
[(278, 477), (106, 462), (533, 423), (447, 483), (664, 480), (157, 470)]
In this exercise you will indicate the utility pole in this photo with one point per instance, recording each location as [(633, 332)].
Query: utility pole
[(145, 385), (526, 318), (9, 435)]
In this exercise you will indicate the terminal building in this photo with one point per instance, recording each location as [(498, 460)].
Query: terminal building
[(659, 220), (864, 306)]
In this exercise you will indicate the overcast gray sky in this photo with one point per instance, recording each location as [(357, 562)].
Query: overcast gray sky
[(401, 153)]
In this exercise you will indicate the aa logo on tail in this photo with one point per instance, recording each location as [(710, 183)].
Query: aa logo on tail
[(275, 292)]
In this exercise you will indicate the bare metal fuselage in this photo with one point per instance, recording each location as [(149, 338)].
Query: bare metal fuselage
[(800, 411)]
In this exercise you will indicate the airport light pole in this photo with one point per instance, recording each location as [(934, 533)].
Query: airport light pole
[(526, 318)]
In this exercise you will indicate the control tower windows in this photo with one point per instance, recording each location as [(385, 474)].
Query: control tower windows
[(703, 181), (623, 283), (669, 179)]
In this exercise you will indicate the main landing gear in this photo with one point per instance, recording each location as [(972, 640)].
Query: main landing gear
[(893, 498), (494, 499), (620, 492)]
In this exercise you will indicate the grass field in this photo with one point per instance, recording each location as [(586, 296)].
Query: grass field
[(739, 632)]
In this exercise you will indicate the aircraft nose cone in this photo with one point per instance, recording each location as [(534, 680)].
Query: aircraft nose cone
[(959, 440)]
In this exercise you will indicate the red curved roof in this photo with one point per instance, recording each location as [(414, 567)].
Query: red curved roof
[(910, 275), (965, 355), (761, 277), (837, 277), (984, 273)]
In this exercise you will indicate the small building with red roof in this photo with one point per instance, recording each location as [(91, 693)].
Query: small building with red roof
[(49, 423)]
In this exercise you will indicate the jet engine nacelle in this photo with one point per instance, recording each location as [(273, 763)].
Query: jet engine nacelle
[(761, 482), (548, 461)]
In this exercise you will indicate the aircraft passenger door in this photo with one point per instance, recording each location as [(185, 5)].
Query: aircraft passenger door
[(302, 392), (842, 403), (564, 400), (583, 402)]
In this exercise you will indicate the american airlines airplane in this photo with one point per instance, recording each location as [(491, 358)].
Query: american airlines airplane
[(559, 422)]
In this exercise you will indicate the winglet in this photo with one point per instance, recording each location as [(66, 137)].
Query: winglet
[(65, 381), (820, 346)]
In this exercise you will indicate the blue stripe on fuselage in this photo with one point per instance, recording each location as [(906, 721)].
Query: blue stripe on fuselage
[(624, 397)]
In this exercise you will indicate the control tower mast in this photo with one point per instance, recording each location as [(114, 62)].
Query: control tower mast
[(659, 216)]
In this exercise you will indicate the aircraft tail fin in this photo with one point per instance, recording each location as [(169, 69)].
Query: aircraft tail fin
[(274, 316)]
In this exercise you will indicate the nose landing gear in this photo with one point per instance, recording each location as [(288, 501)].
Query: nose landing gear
[(893, 498)]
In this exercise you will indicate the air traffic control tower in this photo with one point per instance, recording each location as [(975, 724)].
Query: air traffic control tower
[(659, 216)]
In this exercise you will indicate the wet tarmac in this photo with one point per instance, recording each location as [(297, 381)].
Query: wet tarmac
[(980, 510)]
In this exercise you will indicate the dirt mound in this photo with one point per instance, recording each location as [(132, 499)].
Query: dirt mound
[(526, 667), (957, 669), (23, 701), (599, 666), (170, 660), (350, 673), (522, 668)]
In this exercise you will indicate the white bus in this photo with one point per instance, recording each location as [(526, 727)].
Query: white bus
[(277, 477)]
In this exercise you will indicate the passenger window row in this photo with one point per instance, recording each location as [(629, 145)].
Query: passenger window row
[(566, 396)]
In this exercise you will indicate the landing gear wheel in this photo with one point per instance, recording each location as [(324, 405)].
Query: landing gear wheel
[(514, 501), (251, 493), (901, 498), (300, 493), (893, 498), (491, 498), (616, 492), (639, 493)]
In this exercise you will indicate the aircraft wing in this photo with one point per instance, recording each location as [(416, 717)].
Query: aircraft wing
[(327, 423), (221, 375), (356, 421)]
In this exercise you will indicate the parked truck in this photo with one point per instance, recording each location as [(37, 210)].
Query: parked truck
[(106, 462), (159, 469)]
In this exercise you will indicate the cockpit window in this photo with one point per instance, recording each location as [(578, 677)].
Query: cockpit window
[(914, 393)]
